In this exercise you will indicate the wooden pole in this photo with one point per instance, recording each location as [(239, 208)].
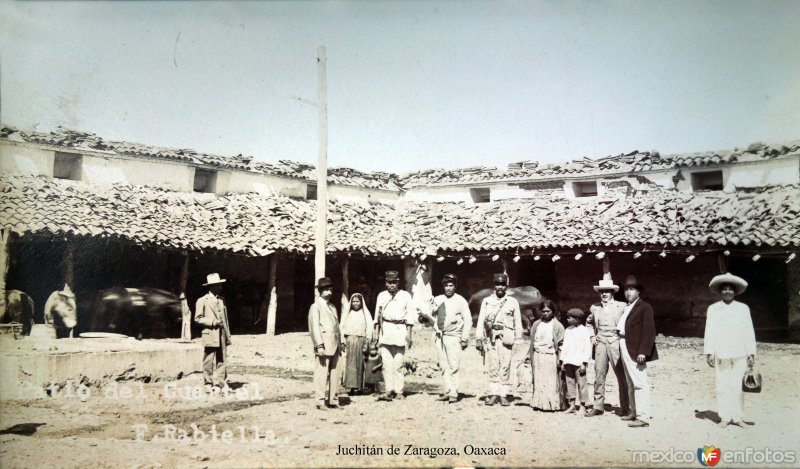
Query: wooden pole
[(322, 168), (5, 238), (606, 265), (272, 308), (184, 277), (345, 284), (722, 260), (69, 265)]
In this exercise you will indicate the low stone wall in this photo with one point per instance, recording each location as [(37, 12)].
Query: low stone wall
[(62, 364)]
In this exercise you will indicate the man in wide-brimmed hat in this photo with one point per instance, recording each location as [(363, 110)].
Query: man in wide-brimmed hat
[(730, 346), (604, 317), (211, 313), (452, 323), (394, 318), (499, 326), (323, 326), (637, 344)]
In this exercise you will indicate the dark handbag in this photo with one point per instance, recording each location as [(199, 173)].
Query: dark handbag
[(751, 382)]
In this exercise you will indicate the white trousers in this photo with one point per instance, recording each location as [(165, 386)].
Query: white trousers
[(499, 358), (638, 384), (392, 357), (448, 348), (730, 397)]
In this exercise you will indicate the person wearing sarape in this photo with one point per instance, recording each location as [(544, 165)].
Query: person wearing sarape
[(729, 344)]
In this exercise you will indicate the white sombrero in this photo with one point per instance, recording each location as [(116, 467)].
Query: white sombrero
[(212, 279), (739, 284), (606, 284)]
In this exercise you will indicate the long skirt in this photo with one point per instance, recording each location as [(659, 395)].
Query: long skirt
[(547, 386), (354, 366)]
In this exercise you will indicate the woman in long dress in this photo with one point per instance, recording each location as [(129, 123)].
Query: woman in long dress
[(730, 346), (547, 335), (357, 330)]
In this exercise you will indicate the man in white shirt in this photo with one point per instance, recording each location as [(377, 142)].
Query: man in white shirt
[(730, 346), (394, 318), (452, 322), (499, 324)]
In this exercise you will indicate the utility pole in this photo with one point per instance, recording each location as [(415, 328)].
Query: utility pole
[(322, 167)]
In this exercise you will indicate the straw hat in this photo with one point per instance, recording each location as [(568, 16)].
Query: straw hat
[(212, 279), (606, 284), (739, 284)]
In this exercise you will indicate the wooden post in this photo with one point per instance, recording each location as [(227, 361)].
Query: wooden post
[(272, 308), (322, 168), (606, 265), (5, 238), (69, 264), (345, 284), (722, 260), (184, 277)]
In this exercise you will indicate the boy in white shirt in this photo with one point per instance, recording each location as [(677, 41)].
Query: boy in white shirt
[(575, 354)]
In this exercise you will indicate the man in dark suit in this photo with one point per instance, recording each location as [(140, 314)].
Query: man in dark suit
[(637, 332)]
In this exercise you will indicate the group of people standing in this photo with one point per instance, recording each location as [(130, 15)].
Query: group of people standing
[(619, 336)]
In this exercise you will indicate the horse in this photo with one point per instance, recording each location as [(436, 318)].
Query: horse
[(19, 308), (138, 312), (60, 312)]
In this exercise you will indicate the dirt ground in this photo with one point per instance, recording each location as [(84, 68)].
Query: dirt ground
[(281, 428)]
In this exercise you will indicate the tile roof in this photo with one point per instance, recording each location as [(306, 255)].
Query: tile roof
[(253, 224), (632, 162), (73, 140)]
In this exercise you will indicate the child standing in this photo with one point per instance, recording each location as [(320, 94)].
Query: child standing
[(575, 355)]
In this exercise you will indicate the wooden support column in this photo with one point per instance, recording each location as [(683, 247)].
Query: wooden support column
[(69, 264), (345, 284), (184, 276), (272, 288), (793, 285), (722, 260), (606, 265), (5, 238)]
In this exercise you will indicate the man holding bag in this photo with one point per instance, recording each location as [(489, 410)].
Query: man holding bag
[(499, 325), (730, 346)]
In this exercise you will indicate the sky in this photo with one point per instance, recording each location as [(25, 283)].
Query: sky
[(411, 85)]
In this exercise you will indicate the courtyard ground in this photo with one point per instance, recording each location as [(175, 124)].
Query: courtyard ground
[(273, 423)]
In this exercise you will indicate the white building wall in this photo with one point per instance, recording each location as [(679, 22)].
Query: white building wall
[(352, 193), (439, 194), (778, 171), (25, 160), (115, 170), (241, 182)]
